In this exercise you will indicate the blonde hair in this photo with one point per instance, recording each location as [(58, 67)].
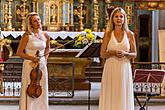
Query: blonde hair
[(28, 21), (110, 25)]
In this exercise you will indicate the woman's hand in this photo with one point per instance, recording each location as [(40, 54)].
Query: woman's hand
[(121, 53), (35, 62), (35, 59)]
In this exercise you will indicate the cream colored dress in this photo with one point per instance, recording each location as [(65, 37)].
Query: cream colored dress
[(117, 84), (26, 102)]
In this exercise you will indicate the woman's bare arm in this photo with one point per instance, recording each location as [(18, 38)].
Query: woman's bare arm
[(103, 52), (133, 52), (47, 49), (21, 47)]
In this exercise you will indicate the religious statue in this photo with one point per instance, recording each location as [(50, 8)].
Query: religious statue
[(53, 13)]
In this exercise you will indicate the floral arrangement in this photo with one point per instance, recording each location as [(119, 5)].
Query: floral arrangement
[(86, 37)]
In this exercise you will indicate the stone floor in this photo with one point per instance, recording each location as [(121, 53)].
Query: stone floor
[(75, 107)]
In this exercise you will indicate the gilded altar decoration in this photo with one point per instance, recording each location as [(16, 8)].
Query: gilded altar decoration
[(53, 13), (128, 9), (151, 5), (5, 13), (96, 15), (58, 15), (6, 43), (55, 44), (84, 38), (81, 15), (8, 16), (108, 6), (21, 12)]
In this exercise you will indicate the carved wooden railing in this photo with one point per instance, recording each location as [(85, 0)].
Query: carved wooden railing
[(12, 79), (11, 72)]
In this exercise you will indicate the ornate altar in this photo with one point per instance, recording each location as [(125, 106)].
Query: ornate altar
[(61, 55), (80, 64)]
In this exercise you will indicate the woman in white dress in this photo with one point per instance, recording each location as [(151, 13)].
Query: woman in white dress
[(33, 40), (118, 47)]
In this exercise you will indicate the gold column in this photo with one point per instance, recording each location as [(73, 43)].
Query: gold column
[(60, 13), (6, 13), (128, 8), (23, 16), (81, 15), (47, 13), (96, 9), (71, 15), (9, 23), (35, 6), (6, 43)]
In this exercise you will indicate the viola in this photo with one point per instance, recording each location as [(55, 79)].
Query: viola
[(34, 89)]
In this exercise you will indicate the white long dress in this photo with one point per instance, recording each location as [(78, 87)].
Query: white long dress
[(26, 102), (117, 84)]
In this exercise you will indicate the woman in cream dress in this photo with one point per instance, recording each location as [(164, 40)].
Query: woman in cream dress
[(33, 40), (118, 48)]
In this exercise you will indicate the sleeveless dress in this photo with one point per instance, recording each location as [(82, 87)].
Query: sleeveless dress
[(26, 102), (117, 84)]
